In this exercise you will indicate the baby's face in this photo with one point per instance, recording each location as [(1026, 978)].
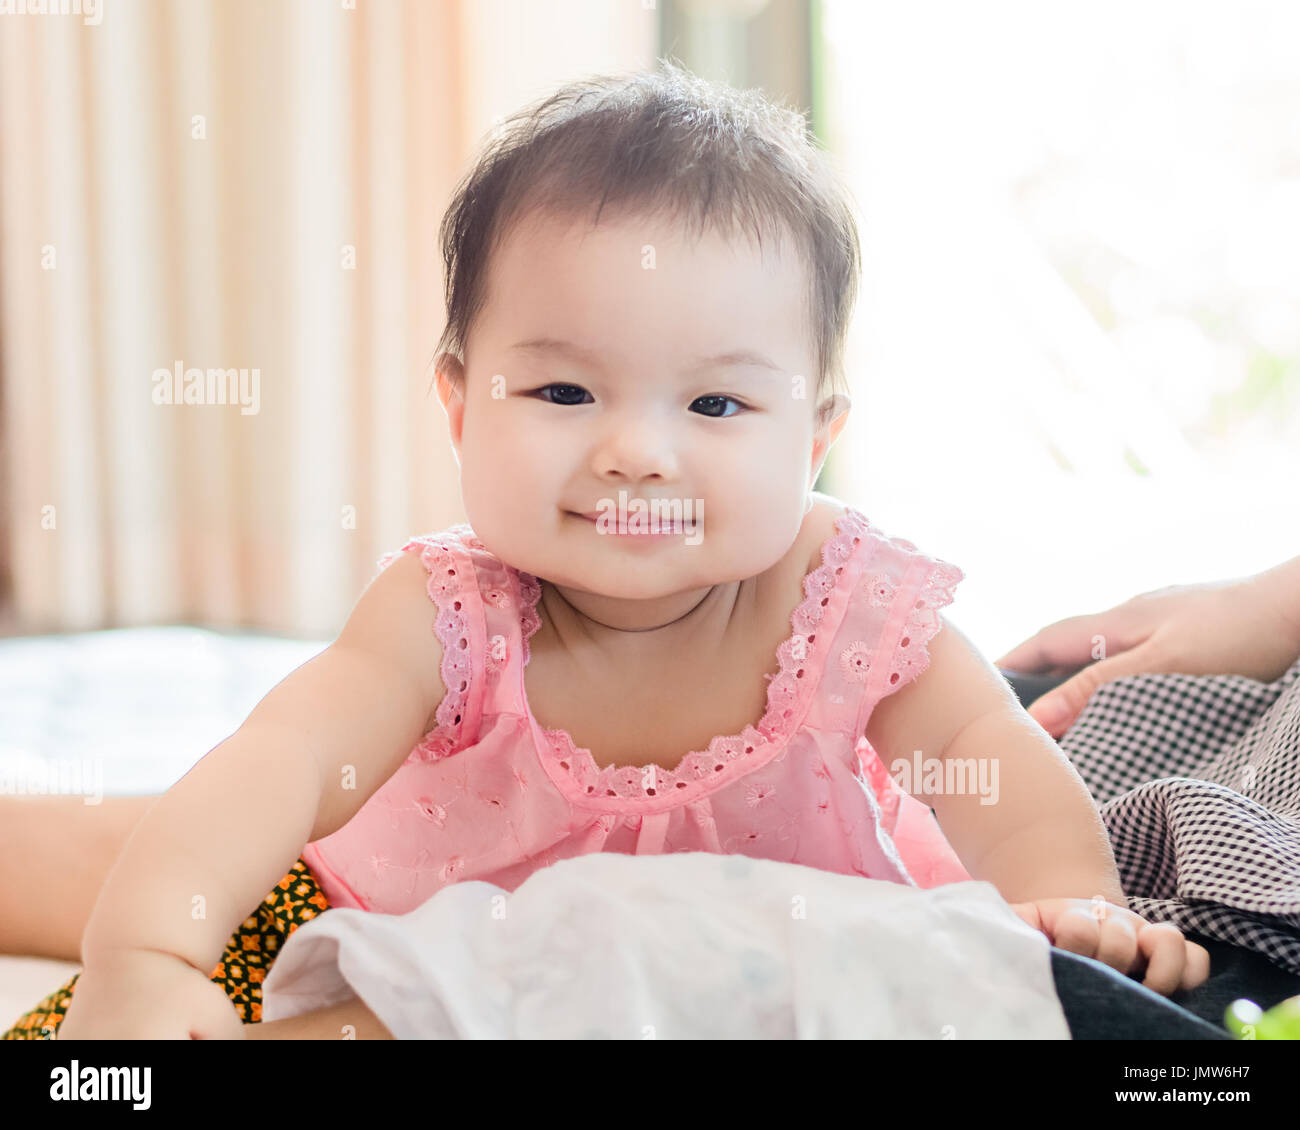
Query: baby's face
[(735, 442)]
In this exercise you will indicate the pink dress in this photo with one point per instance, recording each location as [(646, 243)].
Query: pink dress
[(489, 794)]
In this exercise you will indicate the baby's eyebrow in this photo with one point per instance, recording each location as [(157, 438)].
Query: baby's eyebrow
[(732, 358)]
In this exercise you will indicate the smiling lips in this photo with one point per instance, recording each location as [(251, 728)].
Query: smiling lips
[(664, 529)]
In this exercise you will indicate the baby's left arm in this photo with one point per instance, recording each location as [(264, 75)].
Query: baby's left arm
[(1042, 836), (1041, 841)]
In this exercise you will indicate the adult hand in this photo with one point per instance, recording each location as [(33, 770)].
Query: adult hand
[(1242, 627)]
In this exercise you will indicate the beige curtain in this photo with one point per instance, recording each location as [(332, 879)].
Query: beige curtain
[(241, 185)]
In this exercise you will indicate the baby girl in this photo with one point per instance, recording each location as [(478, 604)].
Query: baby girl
[(649, 282)]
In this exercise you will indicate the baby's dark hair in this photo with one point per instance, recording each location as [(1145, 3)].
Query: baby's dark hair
[(663, 142)]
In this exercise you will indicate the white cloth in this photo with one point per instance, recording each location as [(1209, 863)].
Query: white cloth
[(688, 945)]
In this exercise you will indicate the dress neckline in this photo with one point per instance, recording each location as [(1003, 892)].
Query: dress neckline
[(651, 787)]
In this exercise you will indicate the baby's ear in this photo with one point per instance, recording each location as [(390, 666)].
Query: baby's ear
[(833, 412), (448, 365), (450, 376)]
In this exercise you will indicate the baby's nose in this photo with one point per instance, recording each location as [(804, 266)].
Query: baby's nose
[(638, 453)]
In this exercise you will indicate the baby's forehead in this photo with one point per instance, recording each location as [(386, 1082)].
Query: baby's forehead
[(642, 267), (637, 232)]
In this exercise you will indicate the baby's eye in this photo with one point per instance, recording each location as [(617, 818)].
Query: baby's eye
[(565, 391), (720, 401)]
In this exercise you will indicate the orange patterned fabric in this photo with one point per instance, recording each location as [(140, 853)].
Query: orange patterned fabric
[(295, 899)]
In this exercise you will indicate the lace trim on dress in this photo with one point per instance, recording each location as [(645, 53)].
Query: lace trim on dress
[(530, 592), (447, 589), (788, 698), (911, 656)]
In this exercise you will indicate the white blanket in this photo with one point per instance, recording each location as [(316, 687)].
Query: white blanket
[(688, 945)]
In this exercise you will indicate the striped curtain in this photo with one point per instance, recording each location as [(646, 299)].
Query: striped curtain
[(238, 201)]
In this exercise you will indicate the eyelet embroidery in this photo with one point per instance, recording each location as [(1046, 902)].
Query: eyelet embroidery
[(432, 810), (530, 620), (855, 661), (454, 866), (909, 656), (879, 589), (444, 586)]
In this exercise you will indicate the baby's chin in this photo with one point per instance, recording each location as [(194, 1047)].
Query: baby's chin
[(622, 580), (574, 554), (642, 577)]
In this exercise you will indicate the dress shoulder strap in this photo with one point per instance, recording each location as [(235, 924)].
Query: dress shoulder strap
[(893, 596), (899, 599), (482, 608)]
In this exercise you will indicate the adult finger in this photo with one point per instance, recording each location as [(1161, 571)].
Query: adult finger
[(1067, 644), (1056, 710)]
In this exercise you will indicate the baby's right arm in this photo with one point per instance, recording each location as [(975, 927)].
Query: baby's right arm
[(308, 757)]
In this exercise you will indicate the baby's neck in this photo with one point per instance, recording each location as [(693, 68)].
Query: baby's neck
[(582, 622)]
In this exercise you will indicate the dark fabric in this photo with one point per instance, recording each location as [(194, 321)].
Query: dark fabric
[(1236, 972), (1102, 1004)]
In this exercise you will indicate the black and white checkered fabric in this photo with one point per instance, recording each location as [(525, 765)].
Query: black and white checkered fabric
[(1198, 779)]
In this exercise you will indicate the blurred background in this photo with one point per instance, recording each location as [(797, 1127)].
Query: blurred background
[(1075, 364)]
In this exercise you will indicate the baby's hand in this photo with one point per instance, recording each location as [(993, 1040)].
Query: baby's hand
[(133, 994), (1121, 939)]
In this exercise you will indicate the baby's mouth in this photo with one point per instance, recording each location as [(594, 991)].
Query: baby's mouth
[(612, 528)]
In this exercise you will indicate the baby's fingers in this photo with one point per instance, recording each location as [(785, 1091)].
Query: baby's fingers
[(1172, 962), (1111, 939), (1076, 929), (1197, 970), (1118, 944)]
